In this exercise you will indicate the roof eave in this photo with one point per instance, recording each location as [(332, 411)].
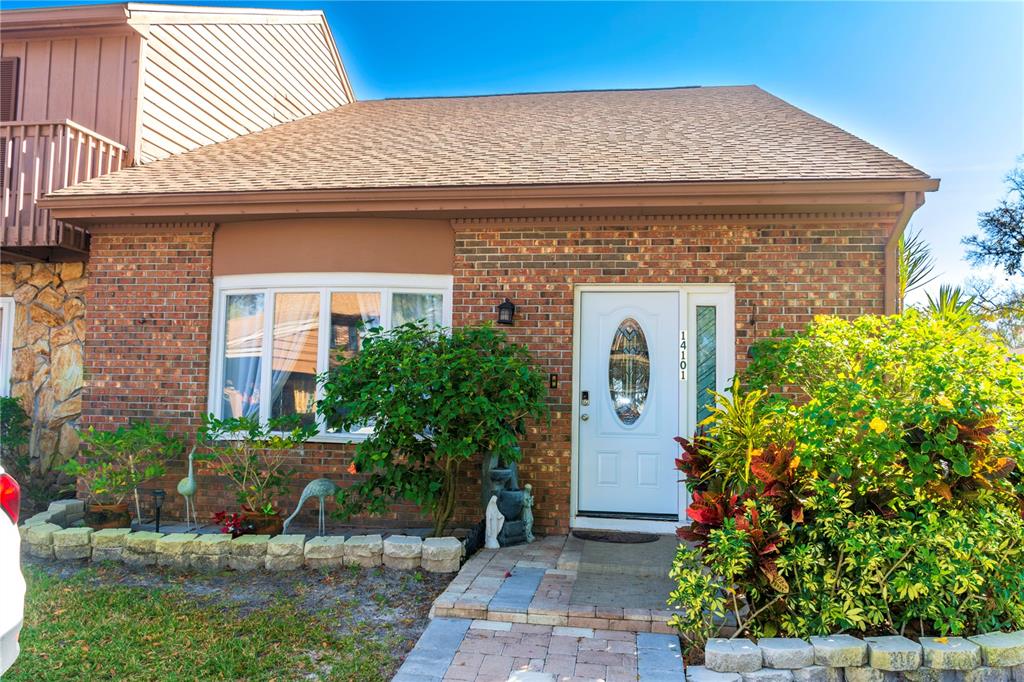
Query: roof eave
[(874, 195)]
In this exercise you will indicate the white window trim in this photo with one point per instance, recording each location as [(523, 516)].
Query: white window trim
[(324, 284), (6, 344)]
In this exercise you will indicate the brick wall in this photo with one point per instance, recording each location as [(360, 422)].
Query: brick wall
[(785, 272), (147, 355), (150, 288)]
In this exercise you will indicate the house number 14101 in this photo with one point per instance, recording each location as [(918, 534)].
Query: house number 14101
[(682, 355)]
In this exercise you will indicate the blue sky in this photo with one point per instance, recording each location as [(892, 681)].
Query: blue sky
[(940, 85)]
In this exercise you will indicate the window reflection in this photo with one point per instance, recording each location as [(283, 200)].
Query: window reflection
[(293, 371), (242, 350), (629, 371), (413, 307)]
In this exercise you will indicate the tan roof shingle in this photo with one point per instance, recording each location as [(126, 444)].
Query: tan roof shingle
[(708, 134)]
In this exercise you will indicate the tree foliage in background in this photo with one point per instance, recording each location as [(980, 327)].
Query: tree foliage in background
[(884, 491), (1000, 308), (1001, 241), (433, 398)]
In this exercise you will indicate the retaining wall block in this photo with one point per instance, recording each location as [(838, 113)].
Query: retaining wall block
[(364, 550), (72, 543), (441, 555), (173, 550), (68, 507), (403, 551), (140, 548), (925, 674), (893, 653), (700, 673), (41, 533), (768, 675), (950, 653), (1001, 649), (839, 651), (211, 544), (786, 653), (732, 655), (326, 551), (248, 552), (865, 673), (110, 538), (987, 674), (284, 552), (812, 673)]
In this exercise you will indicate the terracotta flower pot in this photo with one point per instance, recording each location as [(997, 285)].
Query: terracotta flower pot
[(99, 516), (263, 524)]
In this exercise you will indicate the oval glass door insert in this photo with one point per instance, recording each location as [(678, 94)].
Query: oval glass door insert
[(629, 371)]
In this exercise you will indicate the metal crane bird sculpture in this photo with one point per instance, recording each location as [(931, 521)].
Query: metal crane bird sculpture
[(187, 489), (319, 488)]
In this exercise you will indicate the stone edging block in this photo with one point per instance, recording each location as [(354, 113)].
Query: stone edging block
[(992, 657), (214, 552), (403, 551)]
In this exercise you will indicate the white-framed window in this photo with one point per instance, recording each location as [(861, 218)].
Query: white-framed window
[(273, 334), (6, 343)]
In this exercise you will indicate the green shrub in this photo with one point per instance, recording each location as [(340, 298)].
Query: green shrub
[(114, 464), (253, 456), (435, 398), (15, 429), (866, 478)]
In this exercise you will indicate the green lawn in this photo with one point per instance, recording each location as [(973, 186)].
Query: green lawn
[(80, 627)]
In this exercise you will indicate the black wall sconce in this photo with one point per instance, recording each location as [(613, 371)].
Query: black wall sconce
[(506, 311), (158, 503)]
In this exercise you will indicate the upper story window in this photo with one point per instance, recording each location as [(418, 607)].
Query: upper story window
[(8, 88), (273, 334)]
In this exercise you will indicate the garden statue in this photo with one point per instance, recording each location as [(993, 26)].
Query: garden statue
[(494, 521), (187, 489), (319, 488), (528, 512), (501, 480)]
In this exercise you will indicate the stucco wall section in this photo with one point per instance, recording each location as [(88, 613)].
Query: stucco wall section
[(424, 247), (46, 367)]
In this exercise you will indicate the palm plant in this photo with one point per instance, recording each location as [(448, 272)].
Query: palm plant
[(951, 303), (916, 265)]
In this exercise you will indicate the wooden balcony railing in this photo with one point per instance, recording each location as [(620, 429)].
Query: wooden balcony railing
[(39, 158)]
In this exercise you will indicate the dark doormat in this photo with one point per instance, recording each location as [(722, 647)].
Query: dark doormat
[(616, 537)]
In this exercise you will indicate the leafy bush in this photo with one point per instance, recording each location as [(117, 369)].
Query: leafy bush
[(434, 398), (15, 429), (253, 456), (114, 463), (866, 478)]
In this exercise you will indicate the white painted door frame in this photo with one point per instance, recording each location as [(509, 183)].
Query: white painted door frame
[(690, 296)]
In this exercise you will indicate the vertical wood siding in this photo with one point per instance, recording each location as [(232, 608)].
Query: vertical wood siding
[(205, 83), (89, 80)]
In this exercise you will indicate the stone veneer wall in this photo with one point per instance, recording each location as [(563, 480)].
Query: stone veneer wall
[(46, 366)]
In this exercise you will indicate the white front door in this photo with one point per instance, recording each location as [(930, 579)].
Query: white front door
[(629, 403)]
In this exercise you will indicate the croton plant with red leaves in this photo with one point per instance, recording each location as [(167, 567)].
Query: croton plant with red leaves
[(862, 476)]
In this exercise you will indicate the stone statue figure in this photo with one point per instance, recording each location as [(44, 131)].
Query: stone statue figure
[(528, 512), (494, 521)]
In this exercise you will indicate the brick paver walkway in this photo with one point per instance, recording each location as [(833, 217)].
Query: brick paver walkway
[(499, 652), (510, 615)]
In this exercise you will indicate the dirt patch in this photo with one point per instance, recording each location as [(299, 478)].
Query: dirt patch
[(379, 602)]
